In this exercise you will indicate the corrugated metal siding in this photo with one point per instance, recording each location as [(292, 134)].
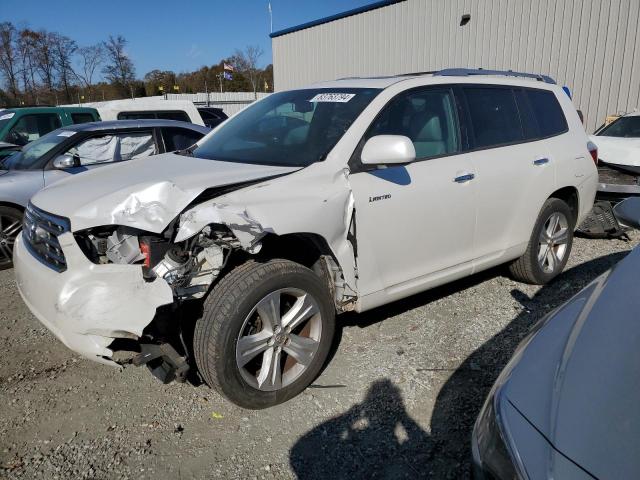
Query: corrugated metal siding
[(593, 46)]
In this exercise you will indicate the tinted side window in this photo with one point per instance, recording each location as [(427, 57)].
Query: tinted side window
[(135, 115), (527, 117), (174, 115), (179, 138), (549, 114), (427, 117), (32, 127), (82, 117), (494, 116)]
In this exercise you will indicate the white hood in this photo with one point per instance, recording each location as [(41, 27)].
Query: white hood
[(146, 193), (618, 150)]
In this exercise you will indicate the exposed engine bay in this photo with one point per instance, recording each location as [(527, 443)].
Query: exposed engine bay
[(189, 267)]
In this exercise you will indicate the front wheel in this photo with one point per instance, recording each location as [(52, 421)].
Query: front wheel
[(265, 333), (549, 246)]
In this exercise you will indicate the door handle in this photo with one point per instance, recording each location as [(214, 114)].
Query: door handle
[(540, 161), (464, 178)]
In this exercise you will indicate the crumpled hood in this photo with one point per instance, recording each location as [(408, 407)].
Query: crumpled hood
[(577, 381), (620, 151), (146, 193)]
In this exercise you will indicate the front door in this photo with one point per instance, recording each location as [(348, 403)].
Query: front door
[(418, 219)]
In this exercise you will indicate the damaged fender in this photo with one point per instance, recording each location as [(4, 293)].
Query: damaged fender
[(283, 206)]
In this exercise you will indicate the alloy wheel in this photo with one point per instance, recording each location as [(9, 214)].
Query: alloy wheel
[(9, 229), (279, 339), (553, 242)]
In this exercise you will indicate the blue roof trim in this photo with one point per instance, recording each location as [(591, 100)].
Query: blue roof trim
[(337, 16)]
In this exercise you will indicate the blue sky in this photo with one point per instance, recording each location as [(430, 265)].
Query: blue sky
[(172, 35)]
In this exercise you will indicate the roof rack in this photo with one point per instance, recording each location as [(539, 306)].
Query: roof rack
[(463, 72)]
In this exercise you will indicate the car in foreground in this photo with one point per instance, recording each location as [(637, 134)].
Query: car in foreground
[(566, 405), (75, 149), (338, 197), (19, 126)]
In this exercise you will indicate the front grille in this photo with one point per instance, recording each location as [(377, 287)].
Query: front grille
[(40, 232)]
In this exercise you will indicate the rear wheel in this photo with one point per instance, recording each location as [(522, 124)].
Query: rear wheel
[(549, 246), (10, 227), (265, 333)]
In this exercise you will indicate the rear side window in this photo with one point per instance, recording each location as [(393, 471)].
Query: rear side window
[(548, 113), (174, 115), (31, 127), (494, 116), (82, 117), (179, 138), (426, 116), (136, 115)]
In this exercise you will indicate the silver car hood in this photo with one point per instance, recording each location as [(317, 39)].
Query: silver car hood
[(147, 193), (578, 379)]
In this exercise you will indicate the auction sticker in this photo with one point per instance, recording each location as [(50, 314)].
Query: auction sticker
[(66, 133), (333, 97), (7, 116)]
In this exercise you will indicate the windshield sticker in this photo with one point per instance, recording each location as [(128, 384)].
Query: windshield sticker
[(7, 116), (333, 97), (66, 133)]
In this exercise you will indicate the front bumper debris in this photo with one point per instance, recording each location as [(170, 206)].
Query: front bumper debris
[(88, 305)]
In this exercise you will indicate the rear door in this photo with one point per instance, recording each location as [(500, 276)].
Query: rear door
[(515, 172)]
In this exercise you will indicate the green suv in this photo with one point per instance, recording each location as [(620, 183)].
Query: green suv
[(19, 126)]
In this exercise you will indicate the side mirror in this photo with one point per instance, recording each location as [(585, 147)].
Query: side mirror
[(628, 212), (387, 150), (66, 161)]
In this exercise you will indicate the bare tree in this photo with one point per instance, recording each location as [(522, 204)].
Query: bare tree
[(91, 58), (8, 57), (27, 47), (246, 62), (63, 50), (119, 69), (45, 60)]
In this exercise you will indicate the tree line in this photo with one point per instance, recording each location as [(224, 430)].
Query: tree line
[(39, 67)]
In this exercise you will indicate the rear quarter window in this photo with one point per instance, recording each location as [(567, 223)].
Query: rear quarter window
[(548, 112)]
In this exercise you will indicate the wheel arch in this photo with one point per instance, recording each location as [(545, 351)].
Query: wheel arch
[(11, 205), (571, 197)]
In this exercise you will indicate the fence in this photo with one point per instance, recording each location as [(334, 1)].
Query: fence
[(230, 102)]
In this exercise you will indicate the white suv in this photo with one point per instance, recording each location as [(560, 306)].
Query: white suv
[(339, 197)]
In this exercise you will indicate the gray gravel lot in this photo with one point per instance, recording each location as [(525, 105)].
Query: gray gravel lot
[(397, 400)]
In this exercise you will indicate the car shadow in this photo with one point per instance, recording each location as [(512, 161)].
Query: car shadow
[(377, 438)]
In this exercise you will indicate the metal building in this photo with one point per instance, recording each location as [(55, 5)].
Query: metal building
[(592, 46)]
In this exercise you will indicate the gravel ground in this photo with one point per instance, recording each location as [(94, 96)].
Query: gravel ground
[(397, 400)]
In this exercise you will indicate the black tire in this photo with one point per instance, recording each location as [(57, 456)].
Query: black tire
[(10, 228), (527, 268), (225, 310)]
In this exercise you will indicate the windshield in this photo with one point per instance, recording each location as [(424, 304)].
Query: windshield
[(294, 128), (627, 127), (28, 158)]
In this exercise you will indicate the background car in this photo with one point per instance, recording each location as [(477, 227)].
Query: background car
[(149, 108), (19, 126), (619, 172), (72, 150), (566, 405), (212, 116)]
